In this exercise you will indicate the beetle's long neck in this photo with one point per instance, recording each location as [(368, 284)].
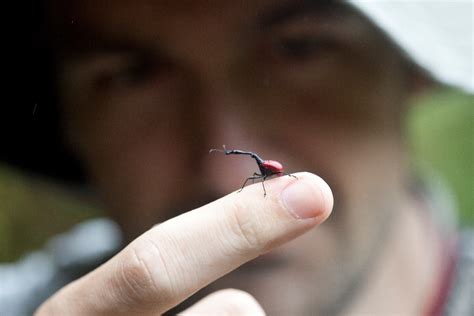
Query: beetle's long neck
[(249, 153)]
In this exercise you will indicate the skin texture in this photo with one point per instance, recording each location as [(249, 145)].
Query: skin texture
[(148, 87)]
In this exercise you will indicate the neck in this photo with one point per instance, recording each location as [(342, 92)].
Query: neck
[(409, 270)]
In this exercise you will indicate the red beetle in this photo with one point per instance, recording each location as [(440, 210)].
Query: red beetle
[(273, 166), (267, 168)]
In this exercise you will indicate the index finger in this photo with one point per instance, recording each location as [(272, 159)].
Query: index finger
[(175, 259)]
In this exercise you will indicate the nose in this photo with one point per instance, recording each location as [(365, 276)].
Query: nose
[(223, 111), (225, 125)]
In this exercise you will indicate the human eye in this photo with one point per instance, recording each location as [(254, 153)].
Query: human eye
[(124, 72), (300, 41), (299, 48), (299, 53), (109, 72)]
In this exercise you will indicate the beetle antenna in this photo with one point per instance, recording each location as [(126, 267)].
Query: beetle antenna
[(219, 150)]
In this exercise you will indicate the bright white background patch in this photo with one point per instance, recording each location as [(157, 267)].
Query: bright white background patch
[(436, 34)]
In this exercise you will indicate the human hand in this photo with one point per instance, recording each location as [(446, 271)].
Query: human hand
[(173, 260)]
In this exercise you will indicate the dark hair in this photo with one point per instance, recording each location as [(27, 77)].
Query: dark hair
[(31, 137)]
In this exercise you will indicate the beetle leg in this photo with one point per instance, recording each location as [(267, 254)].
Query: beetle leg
[(263, 185), (255, 176), (290, 175)]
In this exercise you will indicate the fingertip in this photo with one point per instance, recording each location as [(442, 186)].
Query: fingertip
[(308, 196)]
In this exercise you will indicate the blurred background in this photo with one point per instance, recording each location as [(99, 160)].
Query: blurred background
[(440, 129)]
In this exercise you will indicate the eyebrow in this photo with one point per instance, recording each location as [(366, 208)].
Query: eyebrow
[(297, 9), (84, 41), (84, 44)]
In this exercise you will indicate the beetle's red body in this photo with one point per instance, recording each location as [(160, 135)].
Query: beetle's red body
[(273, 166)]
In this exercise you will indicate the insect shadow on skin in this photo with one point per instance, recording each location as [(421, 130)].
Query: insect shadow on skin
[(268, 168)]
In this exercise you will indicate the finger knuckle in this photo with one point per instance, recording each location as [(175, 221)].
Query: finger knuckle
[(144, 275), (244, 227)]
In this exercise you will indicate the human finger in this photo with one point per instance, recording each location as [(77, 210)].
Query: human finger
[(175, 259), (226, 302)]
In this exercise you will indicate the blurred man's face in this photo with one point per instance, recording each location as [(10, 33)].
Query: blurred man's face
[(150, 86)]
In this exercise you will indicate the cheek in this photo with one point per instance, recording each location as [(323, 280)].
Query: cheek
[(113, 118), (130, 144), (142, 175)]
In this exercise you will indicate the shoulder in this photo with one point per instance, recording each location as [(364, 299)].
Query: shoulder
[(461, 298)]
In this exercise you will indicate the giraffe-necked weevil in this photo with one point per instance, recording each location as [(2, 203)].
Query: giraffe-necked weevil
[(268, 168)]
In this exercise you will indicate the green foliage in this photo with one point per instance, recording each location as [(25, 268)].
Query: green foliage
[(441, 128), (32, 210)]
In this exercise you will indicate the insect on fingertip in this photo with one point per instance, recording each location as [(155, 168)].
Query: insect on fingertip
[(268, 168)]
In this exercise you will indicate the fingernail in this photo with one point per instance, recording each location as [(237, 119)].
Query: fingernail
[(303, 199)]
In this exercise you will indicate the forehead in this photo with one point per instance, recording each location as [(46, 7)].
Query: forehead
[(132, 16), (160, 21), (119, 12)]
